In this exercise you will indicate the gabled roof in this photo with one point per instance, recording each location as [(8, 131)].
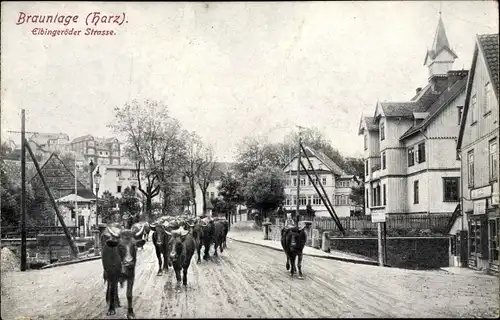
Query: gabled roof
[(329, 163), (59, 177), (405, 109), (83, 138), (368, 123), (439, 105), (489, 48), (487, 45)]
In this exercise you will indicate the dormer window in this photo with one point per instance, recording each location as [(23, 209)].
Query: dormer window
[(382, 131)]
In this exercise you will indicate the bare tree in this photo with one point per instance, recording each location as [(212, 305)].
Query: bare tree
[(194, 163), (205, 174), (154, 141)]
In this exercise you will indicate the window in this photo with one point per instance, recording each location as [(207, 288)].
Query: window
[(421, 152), (119, 189), (478, 238), (309, 200), (493, 159), (383, 161), (366, 167), (294, 182), (487, 99), (411, 157), (366, 141), (470, 166), (133, 188), (302, 181), (382, 131), (212, 195), (367, 198), (385, 195), (118, 173), (316, 200), (415, 192), (376, 196), (133, 174), (287, 201), (450, 188), (324, 181), (459, 108), (310, 182), (341, 200), (303, 201), (473, 110), (207, 195), (294, 201)]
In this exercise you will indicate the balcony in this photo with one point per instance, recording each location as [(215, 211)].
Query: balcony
[(375, 172)]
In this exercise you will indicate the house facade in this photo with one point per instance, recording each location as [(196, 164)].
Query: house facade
[(410, 163), (335, 181), (477, 147), (99, 150), (116, 178)]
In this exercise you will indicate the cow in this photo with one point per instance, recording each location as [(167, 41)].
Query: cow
[(205, 230), (161, 239), (219, 236), (293, 241), (119, 254), (182, 246)]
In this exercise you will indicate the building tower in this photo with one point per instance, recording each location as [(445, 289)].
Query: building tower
[(439, 59)]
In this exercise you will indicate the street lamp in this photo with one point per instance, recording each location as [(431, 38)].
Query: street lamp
[(97, 180)]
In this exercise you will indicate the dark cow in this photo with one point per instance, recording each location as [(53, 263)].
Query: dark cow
[(182, 246), (293, 241), (219, 236), (119, 253), (205, 230), (161, 239)]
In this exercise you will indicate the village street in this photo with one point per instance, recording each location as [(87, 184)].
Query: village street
[(248, 281)]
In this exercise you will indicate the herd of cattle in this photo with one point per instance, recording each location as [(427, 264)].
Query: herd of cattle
[(175, 240)]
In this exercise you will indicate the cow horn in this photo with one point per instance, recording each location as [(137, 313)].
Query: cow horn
[(138, 234), (116, 235)]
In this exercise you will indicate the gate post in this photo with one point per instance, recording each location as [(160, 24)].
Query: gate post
[(266, 229), (325, 241)]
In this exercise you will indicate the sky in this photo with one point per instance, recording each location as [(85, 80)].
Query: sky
[(228, 70)]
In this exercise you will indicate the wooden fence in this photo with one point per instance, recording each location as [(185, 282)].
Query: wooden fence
[(397, 221), (33, 232)]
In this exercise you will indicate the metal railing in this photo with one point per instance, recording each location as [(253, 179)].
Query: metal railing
[(32, 232)]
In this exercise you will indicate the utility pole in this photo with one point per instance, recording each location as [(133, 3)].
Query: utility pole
[(298, 178), (23, 192)]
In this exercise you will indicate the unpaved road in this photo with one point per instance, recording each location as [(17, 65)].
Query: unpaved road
[(249, 281)]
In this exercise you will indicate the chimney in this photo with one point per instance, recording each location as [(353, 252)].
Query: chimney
[(418, 90), (455, 75)]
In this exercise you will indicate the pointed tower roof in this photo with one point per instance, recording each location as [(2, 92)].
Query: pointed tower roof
[(440, 43), (440, 39)]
